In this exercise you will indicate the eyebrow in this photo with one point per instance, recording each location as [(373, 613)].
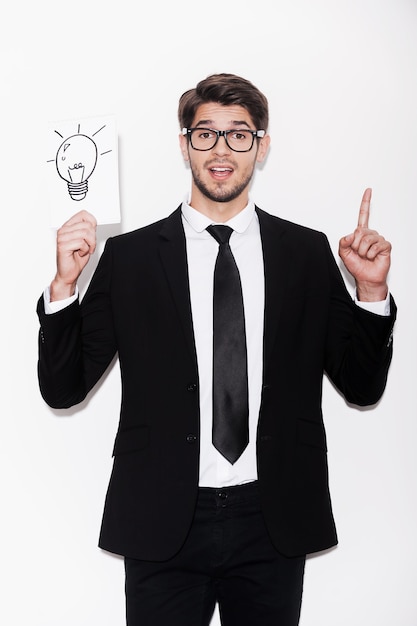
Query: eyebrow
[(234, 123)]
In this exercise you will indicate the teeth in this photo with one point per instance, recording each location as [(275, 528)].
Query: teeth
[(221, 169)]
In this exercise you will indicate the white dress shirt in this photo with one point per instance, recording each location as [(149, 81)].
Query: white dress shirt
[(202, 249)]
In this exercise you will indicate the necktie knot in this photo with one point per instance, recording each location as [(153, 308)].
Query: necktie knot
[(220, 232)]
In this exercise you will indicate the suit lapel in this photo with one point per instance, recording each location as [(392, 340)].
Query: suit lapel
[(173, 255), (273, 231)]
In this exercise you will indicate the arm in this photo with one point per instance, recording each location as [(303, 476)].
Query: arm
[(65, 375), (361, 370)]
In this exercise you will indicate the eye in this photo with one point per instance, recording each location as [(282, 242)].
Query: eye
[(240, 135), (205, 134)]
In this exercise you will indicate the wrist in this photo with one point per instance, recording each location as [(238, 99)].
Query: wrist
[(369, 292), (59, 290)]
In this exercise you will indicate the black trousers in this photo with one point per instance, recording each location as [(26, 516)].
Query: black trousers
[(227, 559)]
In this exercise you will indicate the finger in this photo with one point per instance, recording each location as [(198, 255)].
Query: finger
[(373, 245), (81, 216), (79, 238), (81, 226), (379, 249), (364, 209), (85, 249), (346, 241)]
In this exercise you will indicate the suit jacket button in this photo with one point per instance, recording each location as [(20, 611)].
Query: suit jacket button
[(191, 438), (265, 437), (192, 387)]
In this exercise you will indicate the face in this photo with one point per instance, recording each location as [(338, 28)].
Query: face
[(221, 175)]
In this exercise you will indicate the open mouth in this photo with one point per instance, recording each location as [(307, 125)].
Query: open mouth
[(221, 172)]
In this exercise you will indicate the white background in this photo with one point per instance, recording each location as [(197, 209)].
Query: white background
[(341, 77)]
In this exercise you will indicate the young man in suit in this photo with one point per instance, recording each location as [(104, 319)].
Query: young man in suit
[(204, 515)]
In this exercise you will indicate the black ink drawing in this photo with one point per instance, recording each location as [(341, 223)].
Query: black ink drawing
[(76, 160)]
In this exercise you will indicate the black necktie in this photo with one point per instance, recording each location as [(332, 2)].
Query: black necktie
[(230, 371)]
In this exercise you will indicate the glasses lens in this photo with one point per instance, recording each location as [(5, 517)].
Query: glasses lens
[(203, 138), (237, 140), (240, 140)]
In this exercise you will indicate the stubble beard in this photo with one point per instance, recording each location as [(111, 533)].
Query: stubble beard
[(221, 192)]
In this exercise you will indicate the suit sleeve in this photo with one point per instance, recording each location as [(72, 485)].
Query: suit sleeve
[(359, 344), (77, 344)]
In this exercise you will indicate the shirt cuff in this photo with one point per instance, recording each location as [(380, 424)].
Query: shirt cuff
[(57, 305), (379, 308)]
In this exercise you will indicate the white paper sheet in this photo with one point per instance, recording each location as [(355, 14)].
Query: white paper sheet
[(82, 169)]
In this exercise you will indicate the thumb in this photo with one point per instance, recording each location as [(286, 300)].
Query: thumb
[(346, 241), (345, 246)]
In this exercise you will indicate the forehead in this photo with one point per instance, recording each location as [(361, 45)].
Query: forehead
[(221, 117)]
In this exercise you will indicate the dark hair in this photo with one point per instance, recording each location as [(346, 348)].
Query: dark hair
[(225, 89)]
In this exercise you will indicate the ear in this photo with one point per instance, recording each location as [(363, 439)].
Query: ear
[(184, 147), (263, 148)]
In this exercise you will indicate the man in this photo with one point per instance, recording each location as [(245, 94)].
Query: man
[(199, 523)]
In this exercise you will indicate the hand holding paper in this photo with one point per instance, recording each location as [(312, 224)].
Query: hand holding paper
[(76, 242)]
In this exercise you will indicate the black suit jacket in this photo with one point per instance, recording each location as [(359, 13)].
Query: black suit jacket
[(138, 305)]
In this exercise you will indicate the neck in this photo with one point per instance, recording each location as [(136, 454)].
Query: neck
[(218, 212)]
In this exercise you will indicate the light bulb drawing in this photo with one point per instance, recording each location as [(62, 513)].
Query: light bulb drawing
[(76, 160)]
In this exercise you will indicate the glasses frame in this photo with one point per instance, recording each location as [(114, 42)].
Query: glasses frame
[(223, 133)]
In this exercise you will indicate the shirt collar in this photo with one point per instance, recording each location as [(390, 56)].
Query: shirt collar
[(199, 222)]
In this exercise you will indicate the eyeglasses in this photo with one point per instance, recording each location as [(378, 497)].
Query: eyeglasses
[(237, 140)]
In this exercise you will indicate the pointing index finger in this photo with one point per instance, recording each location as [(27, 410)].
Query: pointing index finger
[(364, 209)]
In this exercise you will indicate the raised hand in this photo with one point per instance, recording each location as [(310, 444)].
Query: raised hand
[(367, 256), (76, 242)]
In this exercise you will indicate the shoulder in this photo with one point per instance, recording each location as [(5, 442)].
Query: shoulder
[(277, 226), (147, 235)]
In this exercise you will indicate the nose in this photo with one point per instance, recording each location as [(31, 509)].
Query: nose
[(221, 146)]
